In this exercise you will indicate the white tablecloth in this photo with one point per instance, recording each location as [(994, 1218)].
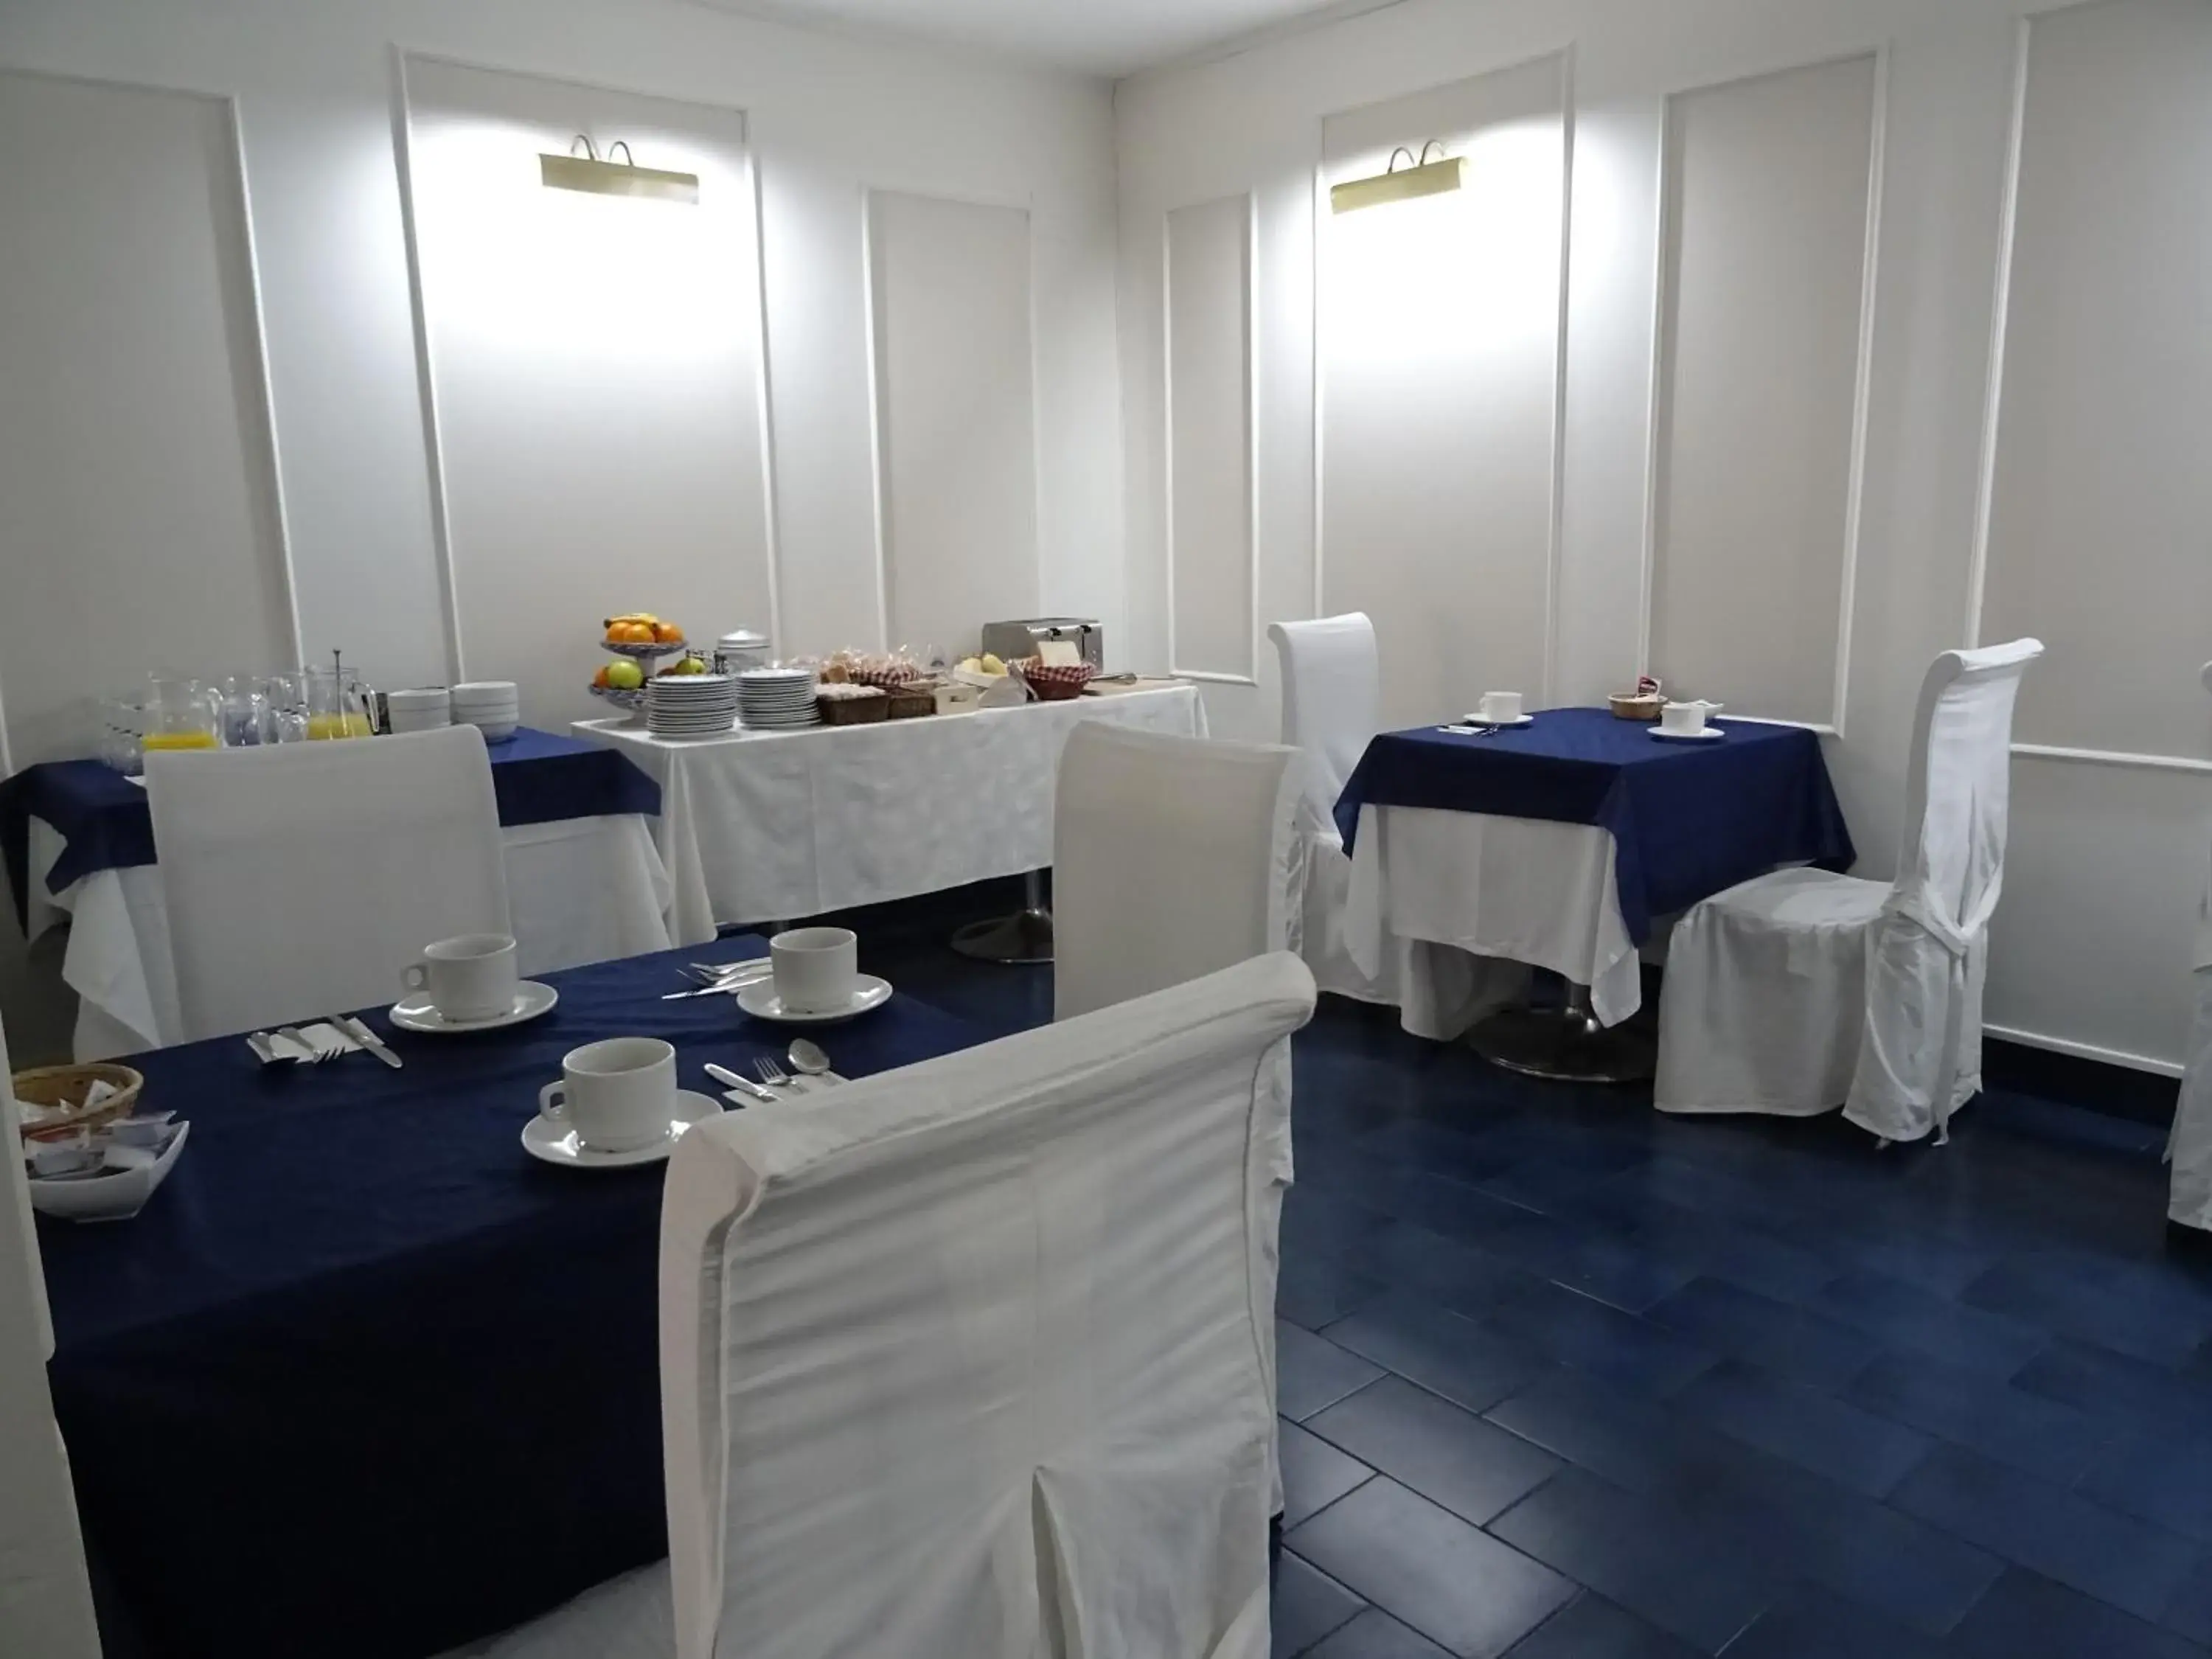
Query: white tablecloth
[(769, 826), (579, 890), (1510, 891)]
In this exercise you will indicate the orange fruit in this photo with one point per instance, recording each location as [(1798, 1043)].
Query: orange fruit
[(667, 634), (629, 633), (600, 680)]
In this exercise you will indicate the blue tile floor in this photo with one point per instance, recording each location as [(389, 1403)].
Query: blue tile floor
[(1563, 1379)]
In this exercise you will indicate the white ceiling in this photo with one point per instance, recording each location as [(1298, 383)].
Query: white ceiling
[(1096, 37)]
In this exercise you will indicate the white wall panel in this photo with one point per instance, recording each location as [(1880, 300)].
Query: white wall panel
[(139, 519), (596, 368), (955, 417), (2101, 525), (1764, 294), (1210, 532), (1438, 330)]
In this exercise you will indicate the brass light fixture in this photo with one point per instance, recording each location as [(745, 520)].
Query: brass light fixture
[(594, 177), (1422, 176)]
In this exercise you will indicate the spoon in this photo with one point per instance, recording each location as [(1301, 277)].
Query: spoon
[(809, 1060)]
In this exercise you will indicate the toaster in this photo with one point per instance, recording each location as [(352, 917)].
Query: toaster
[(1013, 640)]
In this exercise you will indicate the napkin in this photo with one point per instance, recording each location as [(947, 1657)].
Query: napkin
[(321, 1035)]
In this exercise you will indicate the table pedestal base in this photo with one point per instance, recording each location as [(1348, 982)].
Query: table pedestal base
[(1566, 1044), (1025, 936)]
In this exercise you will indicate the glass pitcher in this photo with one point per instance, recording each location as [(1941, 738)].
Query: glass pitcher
[(336, 706), (182, 714)]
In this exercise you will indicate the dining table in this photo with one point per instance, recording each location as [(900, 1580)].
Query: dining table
[(773, 825), (1564, 842), (365, 1379), (585, 879)]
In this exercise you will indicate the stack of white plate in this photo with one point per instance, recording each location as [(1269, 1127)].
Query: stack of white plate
[(690, 705), (424, 709), (770, 699), (492, 706)]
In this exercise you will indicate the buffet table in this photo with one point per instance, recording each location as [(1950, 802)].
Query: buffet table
[(584, 881), (761, 826)]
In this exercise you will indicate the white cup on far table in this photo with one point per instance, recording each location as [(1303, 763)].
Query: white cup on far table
[(816, 969), (1500, 707), (618, 1094), (1684, 719), (469, 977)]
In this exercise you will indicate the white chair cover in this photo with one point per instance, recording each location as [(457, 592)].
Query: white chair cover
[(1797, 992), (1172, 857), (301, 878), (2189, 1145), (1332, 682), (967, 1359)]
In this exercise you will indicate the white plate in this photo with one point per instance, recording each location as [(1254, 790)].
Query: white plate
[(544, 1139), (1705, 734), (759, 1000), (416, 1014), (1502, 725)]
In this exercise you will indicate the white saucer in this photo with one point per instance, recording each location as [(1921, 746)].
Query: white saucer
[(1498, 726), (1704, 734), (544, 1139), (760, 1001), (417, 1013)]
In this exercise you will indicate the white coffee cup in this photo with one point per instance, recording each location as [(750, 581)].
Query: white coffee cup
[(1500, 707), (469, 977), (1685, 718), (618, 1094), (816, 969)]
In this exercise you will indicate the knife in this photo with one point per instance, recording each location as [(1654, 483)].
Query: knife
[(723, 1074), (358, 1031), (736, 982)]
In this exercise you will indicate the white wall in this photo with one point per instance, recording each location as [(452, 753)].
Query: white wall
[(2109, 859), (828, 117)]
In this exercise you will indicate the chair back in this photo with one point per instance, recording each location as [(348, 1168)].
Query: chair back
[(970, 1359), (1332, 684), (1958, 787), (1172, 857), (301, 879)]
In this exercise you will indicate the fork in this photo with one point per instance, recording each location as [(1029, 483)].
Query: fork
[(316, 1053), (774, 1076)]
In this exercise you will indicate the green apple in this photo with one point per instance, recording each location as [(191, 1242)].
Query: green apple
[(624, 675)]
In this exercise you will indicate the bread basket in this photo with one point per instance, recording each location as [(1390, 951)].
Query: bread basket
[(1642, 706), (54, 1096), (1055, 682)]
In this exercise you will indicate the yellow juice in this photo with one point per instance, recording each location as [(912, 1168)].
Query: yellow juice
[(338, 725), (179, 740)]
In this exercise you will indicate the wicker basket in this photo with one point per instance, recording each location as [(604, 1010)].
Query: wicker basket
[(1636, 709), (908, 704), (1055, 682), (63, 1087), (853, 711)]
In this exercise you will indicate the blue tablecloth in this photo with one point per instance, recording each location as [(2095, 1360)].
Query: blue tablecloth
[(366, 1379), (104, 823), (1687, 819)]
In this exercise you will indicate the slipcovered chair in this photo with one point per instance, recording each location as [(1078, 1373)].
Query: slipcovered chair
[(1801, 991), (975, 1358)]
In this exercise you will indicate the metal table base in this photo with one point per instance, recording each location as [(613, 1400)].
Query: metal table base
[(1566, 1044), (1025, 936)]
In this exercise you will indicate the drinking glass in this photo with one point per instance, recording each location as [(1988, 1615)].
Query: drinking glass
[(246, 712), (288, 707), (123, 733)]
